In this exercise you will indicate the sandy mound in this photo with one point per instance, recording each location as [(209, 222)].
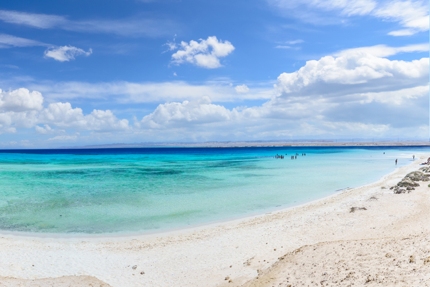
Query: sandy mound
[(372, 262)]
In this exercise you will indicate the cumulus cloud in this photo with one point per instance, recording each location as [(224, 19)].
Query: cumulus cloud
[(64, 115), (204, 53), (66, 53), (20, 100), (358, 71), (412, 15), (348, 95), (187, 112), (21, 108), (352, 90), (241, 89)]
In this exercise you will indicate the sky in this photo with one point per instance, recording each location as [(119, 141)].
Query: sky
[(89, 72)]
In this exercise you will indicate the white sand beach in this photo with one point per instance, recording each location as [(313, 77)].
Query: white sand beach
[(385, 241)]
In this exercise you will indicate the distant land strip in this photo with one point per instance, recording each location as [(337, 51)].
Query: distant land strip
[(258, 144)]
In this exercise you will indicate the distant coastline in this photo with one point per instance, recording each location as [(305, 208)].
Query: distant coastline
[(258, 144)]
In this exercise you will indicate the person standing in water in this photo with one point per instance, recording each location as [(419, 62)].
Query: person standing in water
[(396, 161), (413, 157)]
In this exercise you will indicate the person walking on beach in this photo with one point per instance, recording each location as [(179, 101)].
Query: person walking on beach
[(396, 161), (413, 157)]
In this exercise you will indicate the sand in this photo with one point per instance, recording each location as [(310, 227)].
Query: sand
[(384, 242), (65, 281)]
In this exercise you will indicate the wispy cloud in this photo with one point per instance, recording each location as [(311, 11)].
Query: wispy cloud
[(8, 41), (41, 21), (66, 53), (386, 51), (411, 15), (132, 92), (125, 27), (62, 54), (292, 44)]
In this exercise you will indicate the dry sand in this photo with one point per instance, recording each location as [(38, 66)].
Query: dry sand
[(321, 243)]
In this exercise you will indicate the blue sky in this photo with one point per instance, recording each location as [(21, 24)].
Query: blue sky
[(98, 72)]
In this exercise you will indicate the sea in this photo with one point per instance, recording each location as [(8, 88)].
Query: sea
[(150, 190)]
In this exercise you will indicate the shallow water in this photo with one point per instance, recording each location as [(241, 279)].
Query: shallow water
[(154, 189)]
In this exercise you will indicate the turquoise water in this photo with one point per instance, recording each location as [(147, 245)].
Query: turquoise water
[(147, 190)]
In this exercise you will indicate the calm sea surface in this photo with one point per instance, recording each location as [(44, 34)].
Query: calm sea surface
[(157, 189)]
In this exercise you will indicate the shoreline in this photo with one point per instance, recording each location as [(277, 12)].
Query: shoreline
[(241, 250), (179, 231)]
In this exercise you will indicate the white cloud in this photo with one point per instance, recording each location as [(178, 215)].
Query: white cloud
[(66, 53), (242, 89), (357, 70), (354, 92), (125, 27), (308, 10), (413, 15), (352, 95), (20, 100), (397, 97), (402, 32), (290, 44), (24, 109), (105, 120), (63, 115), (7, 41), (43, 130), (171, 46), (205, 53), (186, 113), (130, 92), (347, 7), (295, 42), (42, 21), (385, 51)]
